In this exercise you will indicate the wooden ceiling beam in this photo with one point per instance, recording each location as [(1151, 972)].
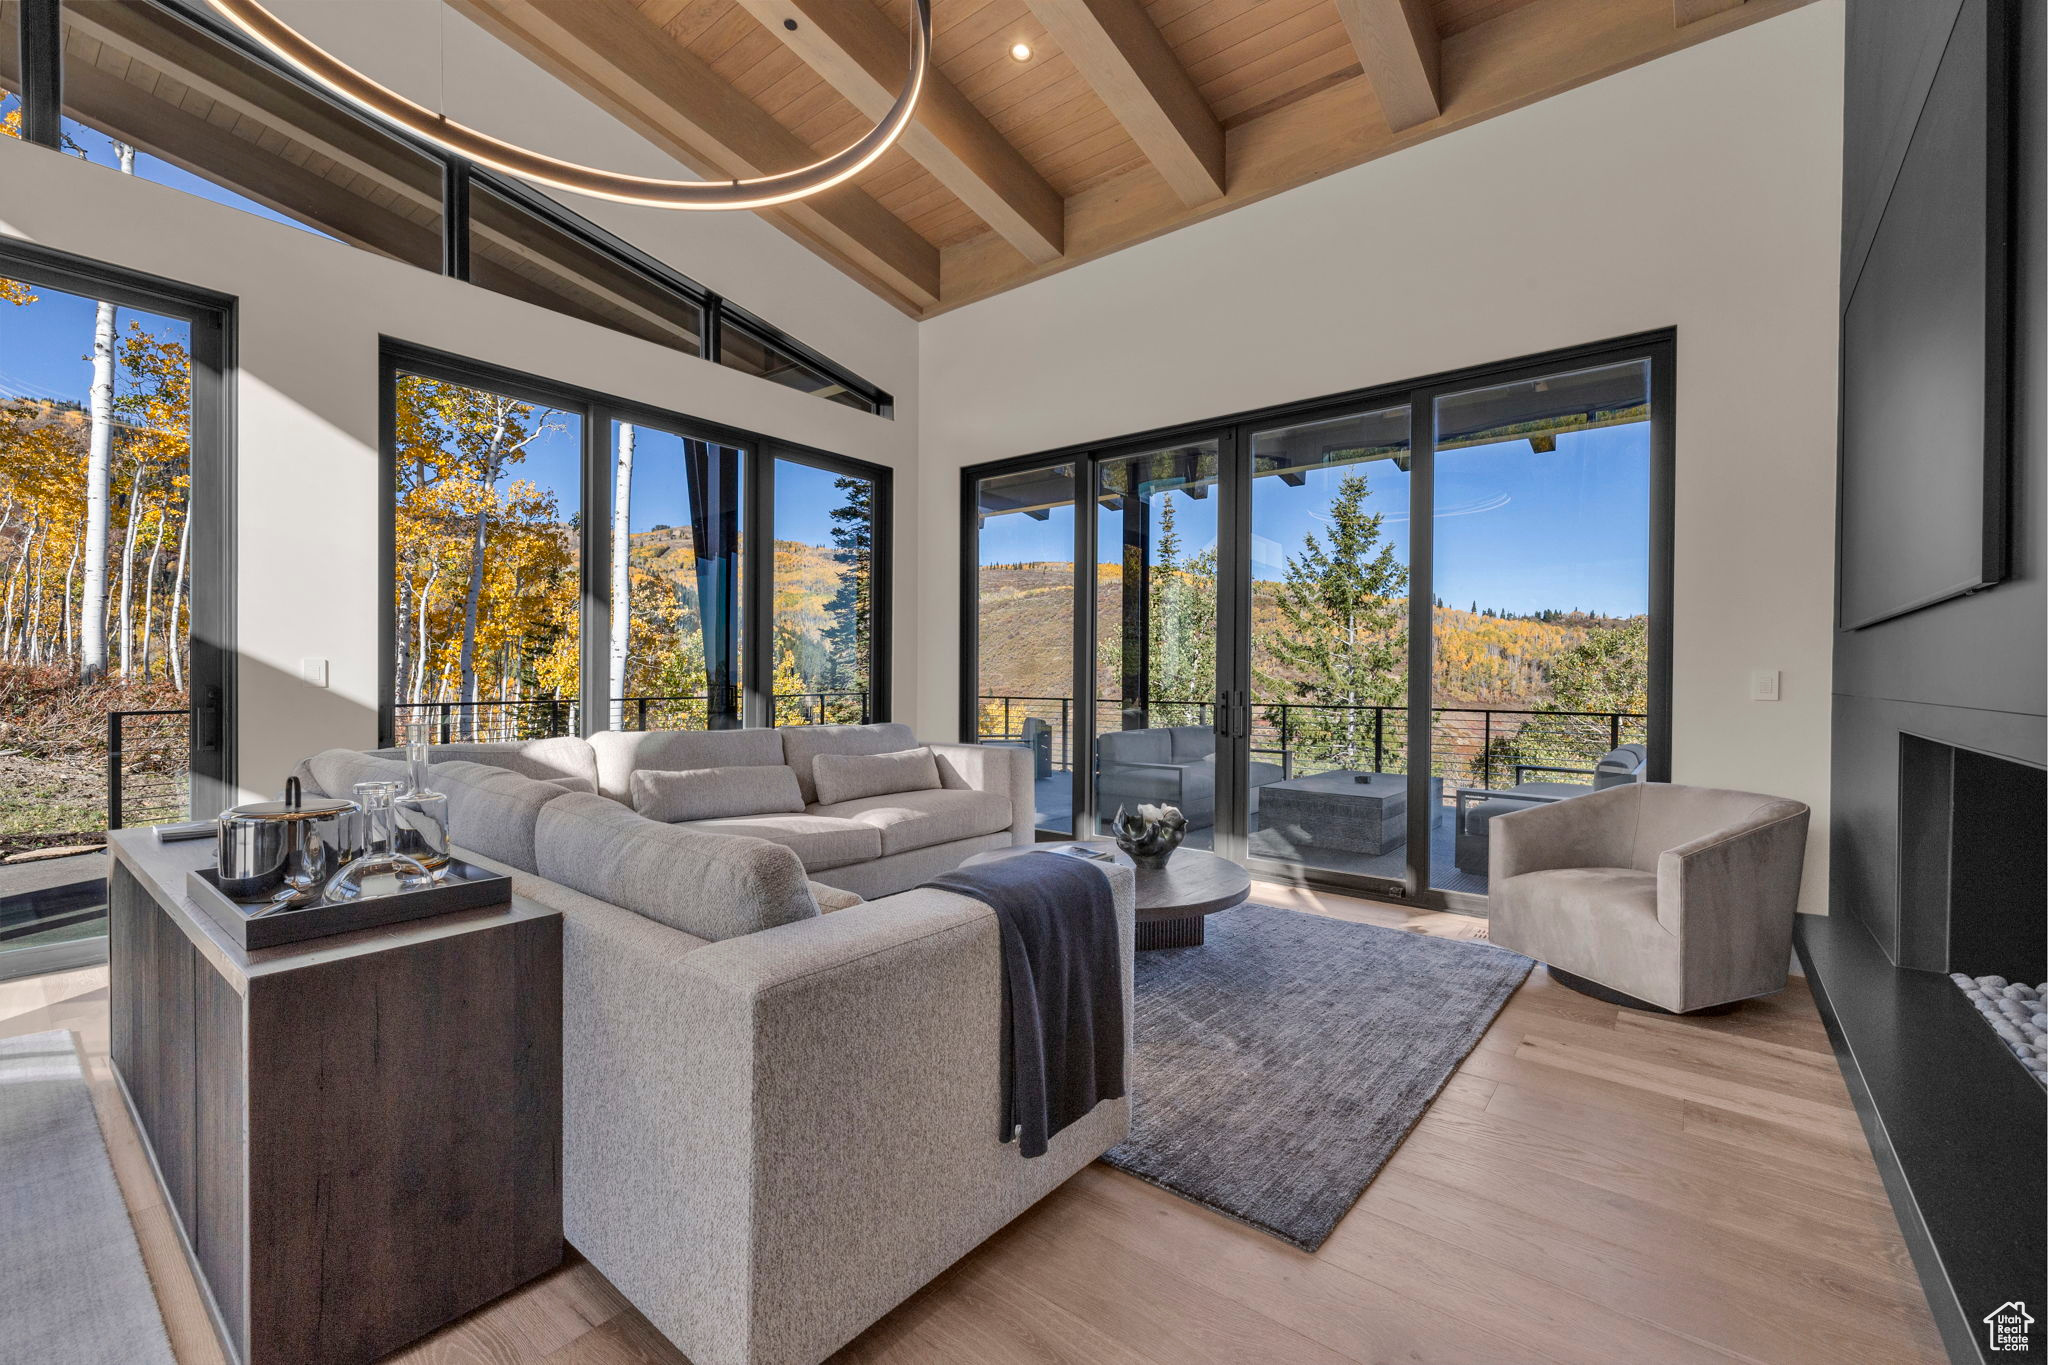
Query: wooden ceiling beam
[(1685, 12), (862, 54), (614, 56), (1527, 54), (1136, 73), (1397, 45)]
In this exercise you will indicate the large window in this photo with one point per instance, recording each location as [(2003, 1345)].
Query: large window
[(115, 616), (169, 93), (561, 562), (827, 538), (1342, 636), (485, 518)]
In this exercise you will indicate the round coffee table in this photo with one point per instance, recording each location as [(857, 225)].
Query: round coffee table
[(1173, 901)]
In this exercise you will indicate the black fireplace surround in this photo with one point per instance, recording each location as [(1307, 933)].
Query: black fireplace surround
[(1971, 862)]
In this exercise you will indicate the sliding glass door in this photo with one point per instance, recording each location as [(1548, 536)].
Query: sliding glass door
[(1329, 643), (1022, 621), (1154, 706), (1342, 637), (1540, 565)]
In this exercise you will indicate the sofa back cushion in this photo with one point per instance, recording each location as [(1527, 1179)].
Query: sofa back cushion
[(491, 810), (335, 772), (562, 759), (714, 793), (621, 753), (1192, 743), (712, 886), (801, 745), (494, 811), (849, 777)]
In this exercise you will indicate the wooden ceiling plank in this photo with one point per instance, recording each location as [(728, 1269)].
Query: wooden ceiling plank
[(1525, 54), (1398, 47), (1685, 12), (629, 67), (1137, 75), (858, 52)]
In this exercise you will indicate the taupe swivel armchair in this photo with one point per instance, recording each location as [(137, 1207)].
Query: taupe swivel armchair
[(1677, 897)]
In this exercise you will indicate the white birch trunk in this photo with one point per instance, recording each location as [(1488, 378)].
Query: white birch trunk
[(127, 602), (99, 477), (156, 554), (474, 597), (70, 617), (622, 580), (173, 646)]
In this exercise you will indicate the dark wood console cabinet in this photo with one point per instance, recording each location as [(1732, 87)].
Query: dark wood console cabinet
[(359, 1136)]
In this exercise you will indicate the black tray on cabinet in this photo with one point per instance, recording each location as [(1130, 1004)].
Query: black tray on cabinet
[(462, 886)]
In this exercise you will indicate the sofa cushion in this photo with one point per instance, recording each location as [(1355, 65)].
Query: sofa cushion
[(494, 811), (709, 793), (1192, 742), (546, 760), (830, 898), (621, 753), (711, 887), (849, 777), (335, 772), (803, 743), (820, 841), (908, 820)]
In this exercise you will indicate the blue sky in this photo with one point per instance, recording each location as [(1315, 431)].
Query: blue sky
[(1515, 530)]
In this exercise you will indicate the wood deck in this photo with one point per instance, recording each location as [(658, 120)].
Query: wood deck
[(1594, 1185)]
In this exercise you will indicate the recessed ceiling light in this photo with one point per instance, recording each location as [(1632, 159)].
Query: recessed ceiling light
[(1020, 51)]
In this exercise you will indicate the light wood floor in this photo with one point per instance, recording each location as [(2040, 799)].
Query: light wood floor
[(1595, 1185)]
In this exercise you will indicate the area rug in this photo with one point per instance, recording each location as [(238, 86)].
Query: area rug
[(72, 1285), (1280, 1063)]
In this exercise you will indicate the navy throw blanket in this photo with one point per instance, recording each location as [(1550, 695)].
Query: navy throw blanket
[(1063, 996)]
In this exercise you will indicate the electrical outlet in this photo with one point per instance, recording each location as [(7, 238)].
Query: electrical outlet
[(313, 671), (1763, 685)]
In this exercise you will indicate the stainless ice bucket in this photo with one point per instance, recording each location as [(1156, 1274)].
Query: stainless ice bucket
[(267, 847)]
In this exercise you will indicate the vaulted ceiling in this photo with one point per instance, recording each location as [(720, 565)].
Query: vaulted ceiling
[(1129, 118)]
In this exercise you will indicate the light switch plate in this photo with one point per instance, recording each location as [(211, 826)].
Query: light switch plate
[(313, 671), (1763, 685)]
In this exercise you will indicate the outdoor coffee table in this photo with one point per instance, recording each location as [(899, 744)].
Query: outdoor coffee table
[(1345, 811), (1173, 901)]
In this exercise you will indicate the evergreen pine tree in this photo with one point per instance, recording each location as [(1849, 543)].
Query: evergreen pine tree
[(849, 615), (1341, 644)]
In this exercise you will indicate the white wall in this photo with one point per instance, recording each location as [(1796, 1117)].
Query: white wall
[(1701, 191), (311, 312)]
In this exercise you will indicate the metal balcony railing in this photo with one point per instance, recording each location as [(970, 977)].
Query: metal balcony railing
[(1470, 743), (149, 767)]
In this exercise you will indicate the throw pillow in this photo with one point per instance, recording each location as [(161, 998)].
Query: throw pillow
[(849, 777), (715, 793)]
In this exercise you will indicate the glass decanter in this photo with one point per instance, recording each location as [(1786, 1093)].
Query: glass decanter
[(420, 816), (380, 870)]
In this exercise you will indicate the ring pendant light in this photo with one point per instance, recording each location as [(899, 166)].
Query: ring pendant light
[(329, 71)]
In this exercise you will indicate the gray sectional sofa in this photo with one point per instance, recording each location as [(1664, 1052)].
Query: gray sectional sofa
[(778, 1123), (870, 846)]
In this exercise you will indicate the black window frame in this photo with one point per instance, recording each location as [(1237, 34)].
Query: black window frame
[(40, 28), (597, 411), (212, 318), (1233, 432)]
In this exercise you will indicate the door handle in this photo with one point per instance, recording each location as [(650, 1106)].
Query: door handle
[(209, 719), (1223, 713)]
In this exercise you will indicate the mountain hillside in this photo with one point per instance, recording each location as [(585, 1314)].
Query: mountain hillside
[(1027, 632)]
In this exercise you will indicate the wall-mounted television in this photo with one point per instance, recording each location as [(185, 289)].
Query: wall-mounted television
[(1926, 426)]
